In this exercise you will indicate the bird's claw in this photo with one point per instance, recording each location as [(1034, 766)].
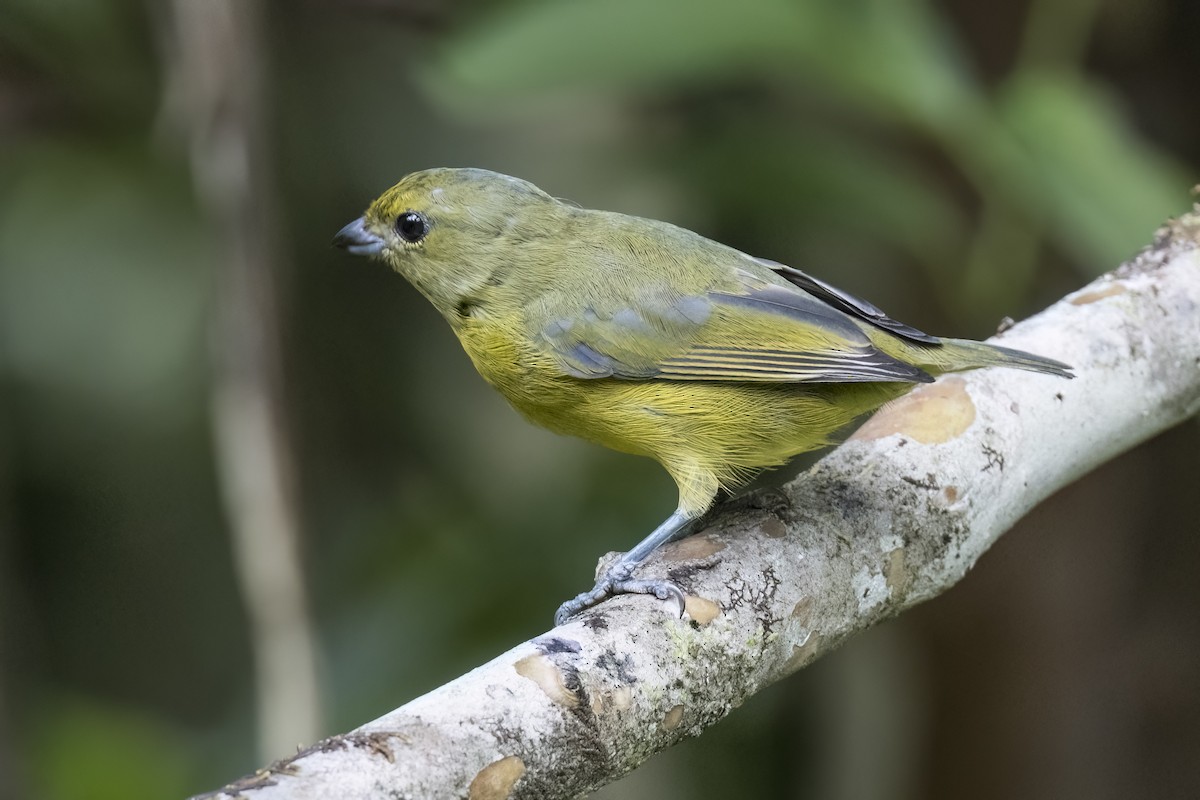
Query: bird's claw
[(663, 590), (617, 581)]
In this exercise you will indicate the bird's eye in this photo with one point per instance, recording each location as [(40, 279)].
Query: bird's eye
[(411, 226)]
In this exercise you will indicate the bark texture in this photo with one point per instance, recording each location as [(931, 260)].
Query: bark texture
[(893, 517)]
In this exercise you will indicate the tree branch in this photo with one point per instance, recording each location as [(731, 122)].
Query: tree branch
[(893, 517)]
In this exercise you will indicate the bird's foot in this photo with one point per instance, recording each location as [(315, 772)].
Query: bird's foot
[(615, 581)]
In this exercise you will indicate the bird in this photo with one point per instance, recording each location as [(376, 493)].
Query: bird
[(649, 338)]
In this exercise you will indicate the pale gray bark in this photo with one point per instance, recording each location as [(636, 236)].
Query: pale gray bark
[(895, 516)]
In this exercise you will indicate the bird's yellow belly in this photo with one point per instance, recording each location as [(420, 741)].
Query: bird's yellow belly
[(706, 434)]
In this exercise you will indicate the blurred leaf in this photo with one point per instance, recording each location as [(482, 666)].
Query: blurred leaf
[(821, 183), (82, 750), (888, 56), (103, 276), (1104, 188), (894, 57), (616, 44)]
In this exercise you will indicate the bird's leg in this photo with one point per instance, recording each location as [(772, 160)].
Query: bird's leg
[(617, 578)]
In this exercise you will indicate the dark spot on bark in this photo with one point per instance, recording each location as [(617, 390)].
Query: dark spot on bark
[(848, 498), (620, 667), (508, 739), (682, 575), (759, 597), (377, 742), (550, 645), (994, 458), (570, 679), (929, 482), (596, 622)]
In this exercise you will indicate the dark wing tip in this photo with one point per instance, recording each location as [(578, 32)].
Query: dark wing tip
[(848, 303)]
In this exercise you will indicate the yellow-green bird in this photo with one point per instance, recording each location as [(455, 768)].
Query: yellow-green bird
[(648, 338)]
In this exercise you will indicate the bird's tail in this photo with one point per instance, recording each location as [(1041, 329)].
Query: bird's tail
[(961, 354)]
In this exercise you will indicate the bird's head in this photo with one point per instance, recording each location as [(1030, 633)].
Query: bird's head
[(452, 231)]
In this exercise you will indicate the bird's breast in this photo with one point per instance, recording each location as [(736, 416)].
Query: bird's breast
[(507, 359)]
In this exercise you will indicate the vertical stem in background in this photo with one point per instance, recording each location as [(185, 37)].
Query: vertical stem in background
[(1002, 260), (215, 87), (11, 773)]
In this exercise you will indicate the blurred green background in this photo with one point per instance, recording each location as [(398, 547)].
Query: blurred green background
[(953, 161)]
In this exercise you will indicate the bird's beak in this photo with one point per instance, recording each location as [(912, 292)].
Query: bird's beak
[(356, 239)]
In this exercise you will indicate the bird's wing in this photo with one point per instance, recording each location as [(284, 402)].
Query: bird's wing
[(749, 330)]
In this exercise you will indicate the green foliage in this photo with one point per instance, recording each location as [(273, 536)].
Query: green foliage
[(1100, 185), (83, 750), (103, 281), (889, 57)]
